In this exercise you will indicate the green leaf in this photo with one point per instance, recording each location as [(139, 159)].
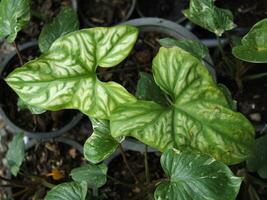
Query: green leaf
[(205, 14), (94, 175), (14, 15), (148, 90), (196, 48), (253, 47), (257, 161), (100, 145), (199, 118), (65, 76), (68, 191), (231, 102), (34, 110), (194, 176), (65, 22), (15, 154)]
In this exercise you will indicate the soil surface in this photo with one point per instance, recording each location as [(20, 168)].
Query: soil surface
[(43, 160), (168, 9), (118, 170), (48, 121), (105, 12)]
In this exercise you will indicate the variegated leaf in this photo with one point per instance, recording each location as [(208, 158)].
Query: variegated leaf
[(199, 117), (65, 77)]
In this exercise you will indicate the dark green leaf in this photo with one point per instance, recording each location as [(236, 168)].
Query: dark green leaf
[(94, 175), (14, 15), (65, 77), (68, 191), (148, 90), (197, 49), (199, 117), (231, 102), (34, 110), (15, 153), (100, 145), (194, 176), (65, 22), (205, 14), (253, 47), (257, 161)]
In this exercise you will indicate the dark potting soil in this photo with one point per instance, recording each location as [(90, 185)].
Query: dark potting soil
[(105, 12), (48, 121), (246, 12), (168, 9), (42, 12), (140, 59), (41, 160), (117, 170)]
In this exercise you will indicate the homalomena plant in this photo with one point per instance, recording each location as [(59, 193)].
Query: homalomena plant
[(197, 119)]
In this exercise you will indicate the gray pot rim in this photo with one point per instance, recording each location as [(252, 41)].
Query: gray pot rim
[(35, 135), (171, 29), (90, 24)]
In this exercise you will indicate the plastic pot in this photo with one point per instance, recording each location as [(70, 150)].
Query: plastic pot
[(170, 29), (88, 23), (172, 10), (14, 128)]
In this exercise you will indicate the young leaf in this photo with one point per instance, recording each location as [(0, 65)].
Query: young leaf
[(15, 153), (148, 90), (34, 110), (94, 175), (205, 14), (65, 22), (65, 76), (196, 48), (257, 161), (68, 191), (196, 176), (253, 47), (14, 15), (100, 145), (199, 116)]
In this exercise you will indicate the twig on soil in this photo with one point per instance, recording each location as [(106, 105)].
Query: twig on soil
[(18, 53)]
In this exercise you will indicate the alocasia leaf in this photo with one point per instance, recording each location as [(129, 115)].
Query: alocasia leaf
[(34, 110), (257, 161), (65, 22), (68, 191), (14, 15), (205, 14), (15, 153), (253, 47), (194, 176), (199, 116), (94, 175), (196, 48), (65, 77), (100, 145), (148, 90)]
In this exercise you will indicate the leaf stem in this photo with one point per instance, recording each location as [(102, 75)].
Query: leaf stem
[(146, 166), (255, 76), (127, 164), (18, 53)]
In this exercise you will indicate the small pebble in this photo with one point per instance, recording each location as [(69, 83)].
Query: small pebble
[(255, 117)]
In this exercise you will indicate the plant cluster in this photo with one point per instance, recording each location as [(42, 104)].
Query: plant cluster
[(179, 110)]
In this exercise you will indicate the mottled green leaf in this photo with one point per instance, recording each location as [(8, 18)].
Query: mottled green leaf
[(14, 15), (65, 22), (199, 118), (194, 176), (231, 102), (253, 47), (15, 153), (196, 48), (94, 175), (148, 90), (34, 110), (205, 14), (100, 145), (65, 76), (68, 191), (257, 161)]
